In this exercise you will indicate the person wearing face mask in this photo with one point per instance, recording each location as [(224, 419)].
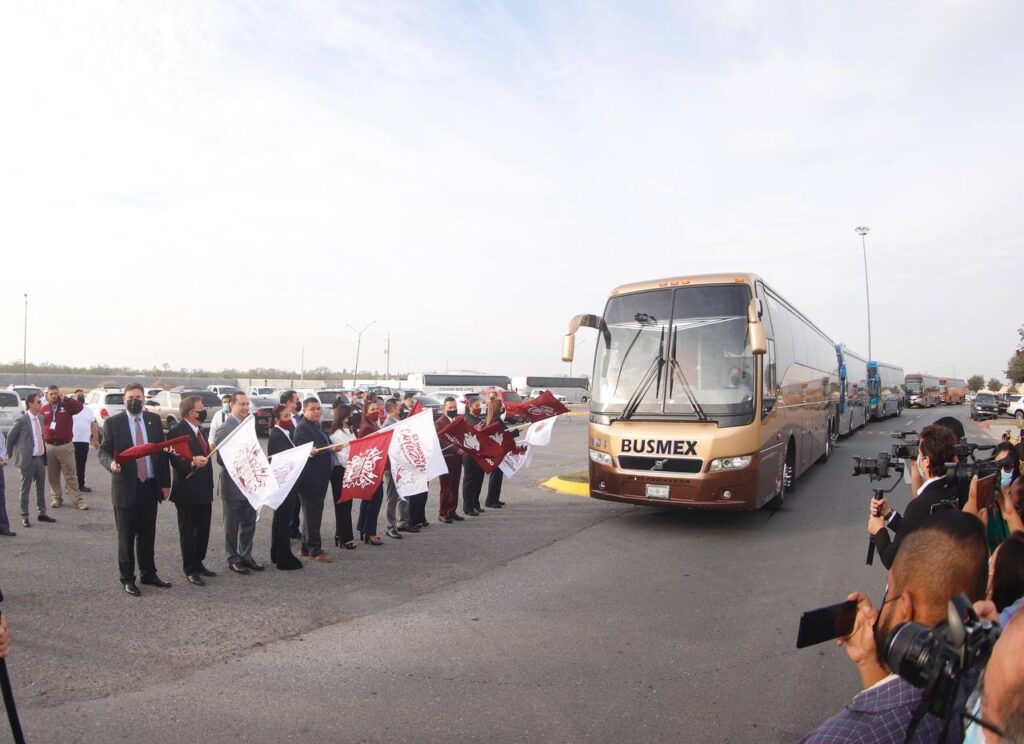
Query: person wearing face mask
[(340, 432), (290, 400), (315, 479), (448, 500), (218, 418), (137, 487), (936, 447), (280, 530), (192, 490), (85, 432), (945, 557), (369, 510), (1001, 517), (736, 383), (495, 410), (473, 474), (239, 516)]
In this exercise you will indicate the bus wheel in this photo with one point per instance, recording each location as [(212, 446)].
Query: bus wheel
[(786, 482)]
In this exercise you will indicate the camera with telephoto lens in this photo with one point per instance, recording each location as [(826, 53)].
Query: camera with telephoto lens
[(877, 467), (961, 473), (936, 659)]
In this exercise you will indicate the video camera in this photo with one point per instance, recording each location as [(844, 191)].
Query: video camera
[(936, 659)]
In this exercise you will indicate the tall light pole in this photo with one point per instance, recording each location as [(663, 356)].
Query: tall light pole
[(359, 341), (24, 348), (863, 231)]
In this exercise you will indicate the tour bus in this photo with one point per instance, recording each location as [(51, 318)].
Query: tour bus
[(853, 401), (952, 391), (885, 384), (707, 392), (462, 382), (922, 391), (575, 389)]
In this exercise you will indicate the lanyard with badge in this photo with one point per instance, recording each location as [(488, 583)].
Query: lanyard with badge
[(53, 420)]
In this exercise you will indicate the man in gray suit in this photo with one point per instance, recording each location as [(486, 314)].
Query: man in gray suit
[(399, 522), (239, 516), (26, 446)]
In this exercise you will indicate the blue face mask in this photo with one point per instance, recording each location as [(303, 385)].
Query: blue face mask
[(1005, 478), (226, 407)]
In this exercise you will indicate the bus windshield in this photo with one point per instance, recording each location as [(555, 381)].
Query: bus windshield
[(678, 352), (913, 386)]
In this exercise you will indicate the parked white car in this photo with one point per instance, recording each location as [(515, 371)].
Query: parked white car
[(24, 391), (222, 389), (1016, 408), (261, 392), (105, 402), (11, 406)]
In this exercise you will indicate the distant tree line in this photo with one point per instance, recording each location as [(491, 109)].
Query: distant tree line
[(43, 368)]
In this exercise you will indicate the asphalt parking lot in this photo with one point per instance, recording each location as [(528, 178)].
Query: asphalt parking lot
[(558, 618)]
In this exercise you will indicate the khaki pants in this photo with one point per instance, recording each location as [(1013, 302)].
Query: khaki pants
[(61, 459)]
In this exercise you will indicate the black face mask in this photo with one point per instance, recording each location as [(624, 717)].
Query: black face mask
[(134, 406), (201, 416), (80, 398)]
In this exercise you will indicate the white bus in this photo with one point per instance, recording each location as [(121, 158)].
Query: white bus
[(575, 389)]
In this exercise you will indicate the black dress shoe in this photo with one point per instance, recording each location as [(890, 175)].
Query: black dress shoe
[(254, 565), (493, 506), (196, 579), (8, 533), (392, 532), (45, 518), (204, 571), (457, 518), (409, 529), (238, 568), (131, 588), (446, 520), (155, 580), (472, 513), (499, 502)]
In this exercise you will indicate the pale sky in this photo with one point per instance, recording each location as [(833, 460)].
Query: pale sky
[(213, 184)]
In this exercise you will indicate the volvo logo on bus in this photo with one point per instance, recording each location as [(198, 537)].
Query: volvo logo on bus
[(660, 446)]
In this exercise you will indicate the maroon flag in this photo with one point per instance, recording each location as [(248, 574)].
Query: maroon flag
[(178, 446), (477, 442), (367, 457), (417, 407), (543, 406)]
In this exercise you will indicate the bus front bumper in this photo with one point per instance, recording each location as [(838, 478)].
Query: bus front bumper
[(732, 490)]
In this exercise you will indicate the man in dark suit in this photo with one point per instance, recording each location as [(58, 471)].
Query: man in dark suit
[(314, 480), (137, 487), (937, 446), (239, 516), (192, 491), (26, 446)]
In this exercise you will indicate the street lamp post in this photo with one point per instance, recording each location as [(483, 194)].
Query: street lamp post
[(863, 231), (24, 348), (359, 341)]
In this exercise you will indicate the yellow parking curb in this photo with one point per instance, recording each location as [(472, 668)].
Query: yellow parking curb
[(566, 486)]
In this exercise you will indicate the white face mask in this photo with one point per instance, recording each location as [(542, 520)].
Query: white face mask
[(921, 470)]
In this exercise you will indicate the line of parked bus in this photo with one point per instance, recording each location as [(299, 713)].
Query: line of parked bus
[(714, 392)]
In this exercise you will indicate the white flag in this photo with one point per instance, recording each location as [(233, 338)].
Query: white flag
[(247, 465), (539, 435), (287, 467), (414, 454), (517, 460)]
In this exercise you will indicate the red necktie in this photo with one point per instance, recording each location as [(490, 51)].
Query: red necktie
[(202, 442), (143, 468)]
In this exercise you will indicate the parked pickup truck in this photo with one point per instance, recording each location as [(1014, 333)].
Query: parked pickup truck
[(167, 405)]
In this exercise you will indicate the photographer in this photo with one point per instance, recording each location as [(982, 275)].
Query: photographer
[(936, 447), (945, 557), (960, 435), (1002, 695), (1000, 517)]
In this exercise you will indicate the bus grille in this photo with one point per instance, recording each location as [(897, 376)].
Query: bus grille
[(661, 464)]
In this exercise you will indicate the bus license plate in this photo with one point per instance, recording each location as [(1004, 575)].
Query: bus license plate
[(656, 492)]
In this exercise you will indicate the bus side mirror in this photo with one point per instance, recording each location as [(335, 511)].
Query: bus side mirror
[(758, 342), (568, 347), (768, 404)]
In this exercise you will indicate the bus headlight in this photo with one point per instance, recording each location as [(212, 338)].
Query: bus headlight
[(729, 463), (601, 458)]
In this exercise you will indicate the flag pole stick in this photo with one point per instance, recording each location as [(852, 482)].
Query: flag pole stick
[(9, 706)]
